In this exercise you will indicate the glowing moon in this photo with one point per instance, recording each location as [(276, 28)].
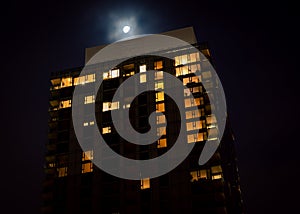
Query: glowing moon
[(126, 28)]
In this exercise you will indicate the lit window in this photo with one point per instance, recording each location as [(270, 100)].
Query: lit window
[(192, 114), (194, 79), (186, 58), (51, 165), (196, 89), (216, 172), (62, 171), (211, 119), (192, 138), (84, 79), (193, 125), (162, 143), (143, 78), (187, 92), (66, 82), (183, 70), (199, 174), (161, 131), (181, 60), (145, 183), (65, 104), (159, 96), (215, 177), (159, 75), (160, 119), (193, 102), (128, 67), (213, 134), (111, 74), (206, 75), (128, 74), (107, 106), (55, 83), (194, 57), (87, 155), (126, 105), (159, 85), (206, 52), (160, 107), (87, 167), (89, 99), (91, 123), (143, 68), (158, 65), (106, 130)]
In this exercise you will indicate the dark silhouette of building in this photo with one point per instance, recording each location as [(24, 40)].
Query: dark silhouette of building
[(73, 184)]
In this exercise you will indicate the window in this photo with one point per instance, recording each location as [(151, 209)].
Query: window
[(216, 172), (161, 131), (89, 99), (87, 155), (193, 125), (194, 57), (162, 143), (186, 58), (159, 96), (143, 68), (87, 167), (145, 183), (91, 123), (183, 70), (181, 60), (199, 174), (160, 119), (66, 82), (160, 107), (65, 104), (126, 105), (213, 133), (196, 89), (62, 171), (194, 79), (159, 75), (55, 83), (143, 78), (159, 85), (107, 106), (84, 79), (128, 74), (187, 92), (111, 74), (192, 114), (192, 138), (106, 130), (206, 52), (193, 102), (206, 75), (128, 67), (187, 69), (158, 65), (211, 119)]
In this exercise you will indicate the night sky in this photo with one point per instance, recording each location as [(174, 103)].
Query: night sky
[(255, 52)]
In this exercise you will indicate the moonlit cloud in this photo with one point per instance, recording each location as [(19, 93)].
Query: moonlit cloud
[(115, 31)]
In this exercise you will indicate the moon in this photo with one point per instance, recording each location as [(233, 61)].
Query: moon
[(126, 28)]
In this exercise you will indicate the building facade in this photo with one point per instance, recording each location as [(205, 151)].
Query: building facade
[(73, 184)]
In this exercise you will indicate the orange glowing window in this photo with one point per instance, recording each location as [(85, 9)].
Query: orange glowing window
[(87, 167), (145, 183)]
